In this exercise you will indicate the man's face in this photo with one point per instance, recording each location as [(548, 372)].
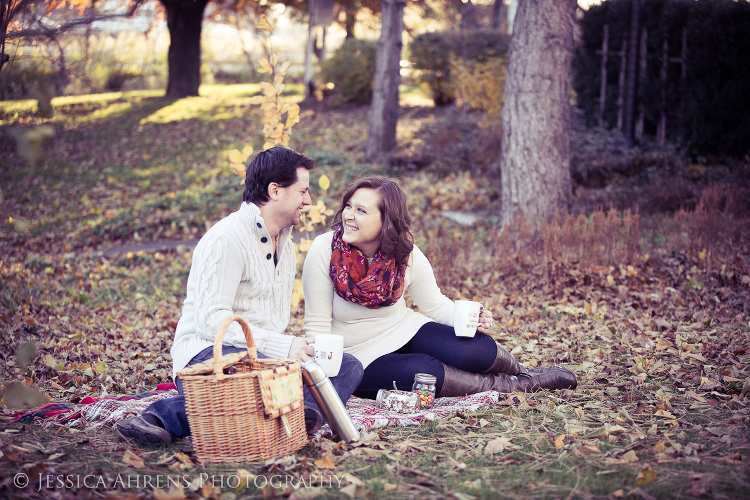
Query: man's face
[(294, 198)]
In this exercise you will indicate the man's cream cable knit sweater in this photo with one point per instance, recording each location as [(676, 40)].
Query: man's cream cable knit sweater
[(370, 333), (233, 273)]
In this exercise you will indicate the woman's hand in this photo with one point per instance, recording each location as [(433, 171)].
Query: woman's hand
[(485, 321), (300, 349)]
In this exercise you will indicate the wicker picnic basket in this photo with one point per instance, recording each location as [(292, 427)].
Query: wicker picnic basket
[(244, 409)]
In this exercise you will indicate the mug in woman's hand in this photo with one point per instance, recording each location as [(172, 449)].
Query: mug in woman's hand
[(466, 317), (329, 352)]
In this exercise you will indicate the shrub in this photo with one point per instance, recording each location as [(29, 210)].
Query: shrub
[(480, 85), (432, 53), (351, 69), (706, 110)]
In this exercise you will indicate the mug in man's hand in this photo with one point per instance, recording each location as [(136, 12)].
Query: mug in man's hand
[(329, 351), (466, 317)]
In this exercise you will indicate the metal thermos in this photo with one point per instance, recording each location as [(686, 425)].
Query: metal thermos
[(328, 400)]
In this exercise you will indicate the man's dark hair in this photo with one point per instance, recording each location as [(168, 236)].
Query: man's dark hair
[(276, 164)]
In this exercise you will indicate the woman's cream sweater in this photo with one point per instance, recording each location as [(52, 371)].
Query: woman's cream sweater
[(370, 333)]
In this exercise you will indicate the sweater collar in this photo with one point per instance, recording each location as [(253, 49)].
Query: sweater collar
[(250, 212)]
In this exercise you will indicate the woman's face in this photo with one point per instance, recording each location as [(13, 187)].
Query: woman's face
[(361, 220)]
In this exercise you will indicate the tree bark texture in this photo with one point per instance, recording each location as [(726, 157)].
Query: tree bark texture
[(381, 134), (184, 21), (535, 159), (632, 75)]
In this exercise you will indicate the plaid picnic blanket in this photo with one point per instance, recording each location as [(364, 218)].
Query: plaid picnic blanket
[(94, 413), (366, 414)]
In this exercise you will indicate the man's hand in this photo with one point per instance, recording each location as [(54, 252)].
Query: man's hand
[(300, 349)]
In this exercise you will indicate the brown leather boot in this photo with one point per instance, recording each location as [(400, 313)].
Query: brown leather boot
[(460, 383), (505, 362)]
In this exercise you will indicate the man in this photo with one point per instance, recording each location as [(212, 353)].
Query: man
[(244, 265)]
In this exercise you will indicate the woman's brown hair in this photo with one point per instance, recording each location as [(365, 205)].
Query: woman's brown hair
[(395, 235)]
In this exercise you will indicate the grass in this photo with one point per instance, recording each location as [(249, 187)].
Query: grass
[(657, 334)]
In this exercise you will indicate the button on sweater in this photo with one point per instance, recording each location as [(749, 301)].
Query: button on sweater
[(231, 274)]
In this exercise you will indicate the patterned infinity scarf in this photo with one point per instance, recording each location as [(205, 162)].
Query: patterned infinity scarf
[(379, 286)]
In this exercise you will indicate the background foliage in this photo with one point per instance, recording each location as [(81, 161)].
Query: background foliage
[(705, 110), (431, 54)]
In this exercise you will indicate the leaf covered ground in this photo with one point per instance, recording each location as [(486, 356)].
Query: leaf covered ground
[(651, 309)]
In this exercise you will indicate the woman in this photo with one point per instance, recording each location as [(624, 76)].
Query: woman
[(354, 280)]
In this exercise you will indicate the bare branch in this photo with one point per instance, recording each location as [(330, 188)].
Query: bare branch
[(38, 29)]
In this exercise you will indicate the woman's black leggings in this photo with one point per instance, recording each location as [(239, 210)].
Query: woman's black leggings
[(433, 345)]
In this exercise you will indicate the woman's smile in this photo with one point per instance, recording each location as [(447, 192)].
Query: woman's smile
[(362, 221)]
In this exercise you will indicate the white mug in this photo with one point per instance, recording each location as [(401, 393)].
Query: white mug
[(329, 351), (466, 317)]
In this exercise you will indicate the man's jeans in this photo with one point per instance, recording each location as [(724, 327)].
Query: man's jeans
[(171, 411)]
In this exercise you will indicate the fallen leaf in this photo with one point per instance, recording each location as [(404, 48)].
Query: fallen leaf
[(645, 476), (325, 463), (131, 458), (497, 445), (172, 494), (560, 441)]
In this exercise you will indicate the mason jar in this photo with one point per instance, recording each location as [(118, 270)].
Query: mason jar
[(424, 387)]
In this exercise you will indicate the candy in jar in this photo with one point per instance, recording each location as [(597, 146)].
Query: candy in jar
[(424, 387)]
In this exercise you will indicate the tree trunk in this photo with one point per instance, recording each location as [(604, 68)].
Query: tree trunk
[(381, 135), (184, 20), (631, 87), (351, 20), (535, 160)]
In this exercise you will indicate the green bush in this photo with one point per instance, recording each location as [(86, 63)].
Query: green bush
[(431, 54), (707, 110), (351, 69)]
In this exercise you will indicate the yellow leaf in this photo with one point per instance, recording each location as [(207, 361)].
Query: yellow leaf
[(304, 244), (257, 99), (285, 67), (265, 67), (560, 441), (238, 168), (645, 477), (246, 479), (131, 458), (268, 144), (263, 25), (702, 254), (247, 151), (325, 462), (610, 280), (324, 182), (235, 156), (630, 456), (291, 121)]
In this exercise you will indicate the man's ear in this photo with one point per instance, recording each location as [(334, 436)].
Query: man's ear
[(273, 191)]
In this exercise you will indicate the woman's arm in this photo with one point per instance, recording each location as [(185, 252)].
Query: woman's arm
[(318, 287), (425, 292)]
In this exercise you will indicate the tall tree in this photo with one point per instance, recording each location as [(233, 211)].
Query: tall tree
[(632, 62), (184, 21), (381, 135), (535, 159)]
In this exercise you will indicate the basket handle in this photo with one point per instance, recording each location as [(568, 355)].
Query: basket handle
[(252, 353)]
